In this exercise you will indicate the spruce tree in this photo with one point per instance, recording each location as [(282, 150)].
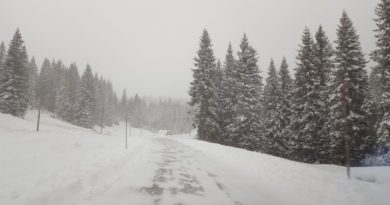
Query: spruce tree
[(203, 91), (73, 82), (381, 56), (307, 119), (136, 111), (286, 84), (349, 125), (14, 83), (3, 54), (109, 104), (86, 101), (123, 106), (375, 84), (100, 99), (54, 77), (272, 142), (115, 108), (324, 66), (228, 96), (63, 106), (246, 126), (33, 82), (44, 84)]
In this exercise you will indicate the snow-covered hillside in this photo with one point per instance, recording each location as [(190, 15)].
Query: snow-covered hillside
[(65, 164)]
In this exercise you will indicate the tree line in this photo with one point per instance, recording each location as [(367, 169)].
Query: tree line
[(86, 100), (330, 111)]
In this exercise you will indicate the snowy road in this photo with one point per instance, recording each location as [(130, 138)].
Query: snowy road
[(64, 164), (166, 171), (175, 176)]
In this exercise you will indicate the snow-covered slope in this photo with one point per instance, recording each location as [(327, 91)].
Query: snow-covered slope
[(65, 164)]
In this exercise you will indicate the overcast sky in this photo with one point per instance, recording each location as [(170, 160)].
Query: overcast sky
[(148, 46)]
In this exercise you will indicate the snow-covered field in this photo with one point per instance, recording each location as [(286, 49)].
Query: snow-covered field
[(65, 164)]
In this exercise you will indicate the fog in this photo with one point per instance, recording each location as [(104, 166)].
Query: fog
[(148, 46)]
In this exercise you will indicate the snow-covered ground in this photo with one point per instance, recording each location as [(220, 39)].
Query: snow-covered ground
[(65, 164)]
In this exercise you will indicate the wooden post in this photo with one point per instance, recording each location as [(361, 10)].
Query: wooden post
[(39, 115)]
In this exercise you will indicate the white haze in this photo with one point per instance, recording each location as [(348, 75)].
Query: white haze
[(148, 46)]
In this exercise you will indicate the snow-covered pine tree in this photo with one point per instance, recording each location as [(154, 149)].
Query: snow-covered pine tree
[(272, 140), (324, 65), (382, 71), (109, 107), (216, 102), (100, 99), (86, 100), (375, 84), (307, 118), (33, 83), (63, 106), (228, 96), (286, 84), (324, 56), (54, 77), (203, 91), (123, 105), (115, 108), (73, 81), (349, 125), (3, 54), (14, 83), (136, 117), (44, 84), (246, 126)]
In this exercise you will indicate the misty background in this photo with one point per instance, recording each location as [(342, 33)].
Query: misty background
[(148, 46)]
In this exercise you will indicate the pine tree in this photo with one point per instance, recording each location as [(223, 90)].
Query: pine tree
[(203, 91), (246, 126), (44, 84), (115, 108), (100, 99), (86, 102), (375, 84), (63, 106), (349, 124), (3, 54), (324, 56), (73, 82), (14, 83), (286, 84), (272, 142), (228, 96), (33, 82), (324, 66), (136, 117), (216, 103), (382, 71), (307, 119), (109, 105), (123, 105), (54, 77)]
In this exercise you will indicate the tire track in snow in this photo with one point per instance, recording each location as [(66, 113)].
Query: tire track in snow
[(179, 178)]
